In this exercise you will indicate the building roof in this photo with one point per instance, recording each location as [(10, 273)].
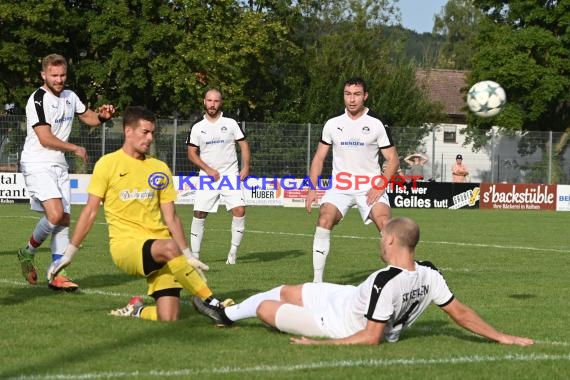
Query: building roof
[(445, 86)]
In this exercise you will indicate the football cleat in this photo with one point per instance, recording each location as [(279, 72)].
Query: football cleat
[(214, 312), (133, 308), (29, 270), (62, 282), (232, 257)]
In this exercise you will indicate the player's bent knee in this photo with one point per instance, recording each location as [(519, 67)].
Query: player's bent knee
[(200, 214), (238, 212), (266, 311)]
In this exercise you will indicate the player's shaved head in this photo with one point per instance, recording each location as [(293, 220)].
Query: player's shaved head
[(406, 231)]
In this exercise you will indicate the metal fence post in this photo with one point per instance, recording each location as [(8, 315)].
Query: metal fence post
[(174, 135), (433, 168), (550, 157), (103, 137), (308, 148)]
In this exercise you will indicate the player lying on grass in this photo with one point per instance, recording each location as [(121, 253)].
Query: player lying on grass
[(377, 310), (146, 237)]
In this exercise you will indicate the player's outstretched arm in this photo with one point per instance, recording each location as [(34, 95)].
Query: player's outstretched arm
[(103, 114), (467, 318), (82, 228)]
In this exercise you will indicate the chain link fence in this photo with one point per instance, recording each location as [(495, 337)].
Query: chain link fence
[(286, 149)]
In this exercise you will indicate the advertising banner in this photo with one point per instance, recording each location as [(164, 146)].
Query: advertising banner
[(434, 195), (563, 198), (13, 188), (517, 196)]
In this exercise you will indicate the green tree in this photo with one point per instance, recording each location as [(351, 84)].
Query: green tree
[(458, 23), (357, 46), (525, 46), (30, 30)]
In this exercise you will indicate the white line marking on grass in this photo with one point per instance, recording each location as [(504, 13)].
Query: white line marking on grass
[(421, 241), (268, 369), (522, 248)]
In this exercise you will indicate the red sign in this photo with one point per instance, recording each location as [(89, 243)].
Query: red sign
[(517, 196)]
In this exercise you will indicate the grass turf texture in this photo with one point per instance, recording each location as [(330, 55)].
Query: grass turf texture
[(510, 266)]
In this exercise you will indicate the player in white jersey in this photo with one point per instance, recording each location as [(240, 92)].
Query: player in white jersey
[(49, 117), (356, 137), (379, 309), (212, 147)]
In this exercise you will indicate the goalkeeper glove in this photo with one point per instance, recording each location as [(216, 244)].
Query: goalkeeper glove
[(195, 263), (62, 262)]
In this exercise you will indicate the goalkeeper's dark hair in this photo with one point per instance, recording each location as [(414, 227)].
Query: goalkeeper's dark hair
[(133, 114)]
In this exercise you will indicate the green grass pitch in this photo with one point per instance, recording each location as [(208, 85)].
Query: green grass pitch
[(510, 266)]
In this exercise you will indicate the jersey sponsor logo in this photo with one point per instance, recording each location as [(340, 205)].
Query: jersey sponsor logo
[(352, 143), (128, 195), (215, 142), (63, 119)]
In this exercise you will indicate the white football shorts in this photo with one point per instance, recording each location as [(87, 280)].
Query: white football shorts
[(47, 181), (230, 192), (345, 201), (319, 316)]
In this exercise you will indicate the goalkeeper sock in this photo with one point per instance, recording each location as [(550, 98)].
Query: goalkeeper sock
[(188, 277), (248, 308), (196, 235), (238, 228), (321, 248), (42, 230), (148, 312)]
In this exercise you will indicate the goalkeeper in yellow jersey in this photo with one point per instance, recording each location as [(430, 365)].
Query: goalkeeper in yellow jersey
[(146, 237)]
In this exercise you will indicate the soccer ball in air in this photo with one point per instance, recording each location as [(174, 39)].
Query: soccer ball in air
[(486, 98)]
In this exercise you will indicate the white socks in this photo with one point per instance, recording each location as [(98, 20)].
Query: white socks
[(248, 308), (321, 248), (238, 228), (59, 241), (196, 235), (42, 230)]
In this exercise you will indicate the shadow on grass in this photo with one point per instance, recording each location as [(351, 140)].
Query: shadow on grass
[(264, 256), (106, 280), (24, 294), (439, 328)]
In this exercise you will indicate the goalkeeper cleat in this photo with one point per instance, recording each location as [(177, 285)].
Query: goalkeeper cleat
[(133, 308), (232, 257), (29, 270), (62, 282), (214, 312)]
